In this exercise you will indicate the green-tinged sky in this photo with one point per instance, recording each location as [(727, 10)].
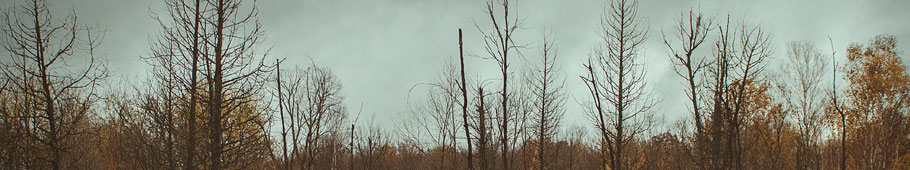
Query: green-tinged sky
[(380, 49)]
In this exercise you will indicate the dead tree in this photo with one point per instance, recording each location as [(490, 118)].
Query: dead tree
[(738, 62), (43, 70), (464, 104), (837, 108), (351, 146), (284, 164), (499, 45), (325, 112), (548, 100), (312, 100), (369, 147), (621, 107), (755, 46), (129, 142), (483, 128), (434, 116), (691, 30), (596, 111), (180, 48), (234, 75), (804, 96), (161, 102)]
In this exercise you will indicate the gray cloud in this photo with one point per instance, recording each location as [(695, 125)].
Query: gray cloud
[(381, 48)]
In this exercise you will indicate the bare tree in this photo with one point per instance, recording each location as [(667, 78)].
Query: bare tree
[(435, 116), (482, 128), (596, 111), (54, 69), (369, 148), (161, 103), (499, 44), (802, 91), (178, 51), (622, 108), (755, 47), (312, 100), (718, 73), (691, 30), (738, 64), (234, 74), (464, 104), (837, 107), (124, 136), (285, 162), (548, 100)]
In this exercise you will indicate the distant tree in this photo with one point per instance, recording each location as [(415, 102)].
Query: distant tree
[(767, 138), (124, 137), (804, 96), (370, 146), (573, 151), (312, 102), (664, 151), (435, 116)]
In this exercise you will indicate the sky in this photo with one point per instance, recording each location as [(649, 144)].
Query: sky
[(380, 49)]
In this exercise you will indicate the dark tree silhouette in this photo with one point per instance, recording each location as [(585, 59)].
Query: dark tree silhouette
[(178, 52), (52, 75), (690, 31), (464, 104), (738, 64), (499, 44), (548, 100), (621, 106), (837, 108), (234, 75)]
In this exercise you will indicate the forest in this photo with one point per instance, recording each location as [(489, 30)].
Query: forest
[(213, 100)]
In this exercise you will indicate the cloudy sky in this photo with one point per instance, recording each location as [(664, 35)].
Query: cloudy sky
[(381, 48)]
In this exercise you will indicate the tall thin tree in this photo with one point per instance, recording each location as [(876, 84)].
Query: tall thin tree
[(284, 130), (546, 86), (499, 44), (181, 38), (616, 76), (234, 74), (464, 103), (837, 108), (690, 31)]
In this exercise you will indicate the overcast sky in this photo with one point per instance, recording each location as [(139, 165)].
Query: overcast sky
[(379, 49)]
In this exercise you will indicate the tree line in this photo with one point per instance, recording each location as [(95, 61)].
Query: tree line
[(215, 100)]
